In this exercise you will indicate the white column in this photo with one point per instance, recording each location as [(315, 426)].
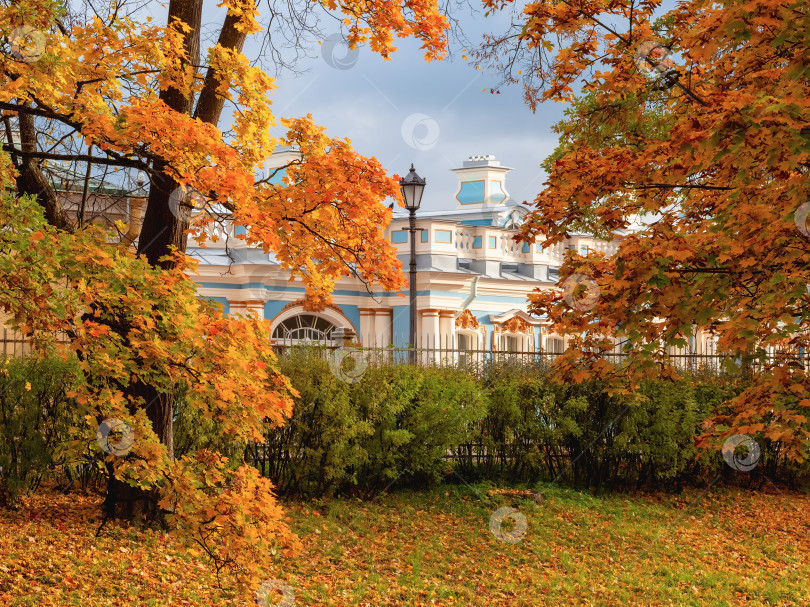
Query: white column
[(137, 208), (367, 327), (447, 329), (383, 327), (430, 333), (433, 319)]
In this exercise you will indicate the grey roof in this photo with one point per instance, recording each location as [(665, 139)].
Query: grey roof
[(219, 257)]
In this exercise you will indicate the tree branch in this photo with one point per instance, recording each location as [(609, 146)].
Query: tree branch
[(135, 164), (210, 102), (686, 186)]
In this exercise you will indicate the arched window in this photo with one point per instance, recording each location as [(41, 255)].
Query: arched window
[(304, 328)]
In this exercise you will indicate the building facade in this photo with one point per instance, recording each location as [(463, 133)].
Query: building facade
[(473, 279)]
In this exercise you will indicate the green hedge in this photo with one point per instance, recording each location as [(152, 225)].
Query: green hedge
[(415, 425), (579, 434), (397, 423)]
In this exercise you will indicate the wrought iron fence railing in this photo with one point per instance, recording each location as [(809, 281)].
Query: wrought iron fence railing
[(447, 356), (16, 343)]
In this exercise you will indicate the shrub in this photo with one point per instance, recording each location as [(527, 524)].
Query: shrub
[(317, 450), (773, 464), (396, 423), (419, 416), (516, 437), (655, 441), (578, 433), (412, 425), (35, 417), (383, 401), (446, 412)]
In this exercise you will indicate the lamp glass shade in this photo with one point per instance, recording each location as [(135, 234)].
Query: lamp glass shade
[(412, 187)]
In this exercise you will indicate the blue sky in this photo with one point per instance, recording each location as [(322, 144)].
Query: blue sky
[(409, 110)]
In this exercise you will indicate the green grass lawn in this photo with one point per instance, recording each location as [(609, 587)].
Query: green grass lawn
[(727, 547)]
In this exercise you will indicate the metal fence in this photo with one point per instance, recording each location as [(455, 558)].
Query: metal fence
[(15, 343), (472, 359)]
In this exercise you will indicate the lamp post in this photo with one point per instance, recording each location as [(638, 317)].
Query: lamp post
[(412, 186)]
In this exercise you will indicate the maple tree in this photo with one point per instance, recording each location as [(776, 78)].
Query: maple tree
[(134, 93), (699, 122)]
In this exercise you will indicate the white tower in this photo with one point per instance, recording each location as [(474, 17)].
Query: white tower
[(482, 183)]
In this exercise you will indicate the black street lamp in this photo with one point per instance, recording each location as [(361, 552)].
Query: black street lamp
[(412, 186)]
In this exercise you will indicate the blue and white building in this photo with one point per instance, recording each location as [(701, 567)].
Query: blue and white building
[(472, 284)]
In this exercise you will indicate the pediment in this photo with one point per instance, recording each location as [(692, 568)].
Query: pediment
[(516, 313), (466, 320)]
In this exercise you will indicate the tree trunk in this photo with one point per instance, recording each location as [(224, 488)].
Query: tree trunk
[(210, 103), (161, 230), (32, 181)]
